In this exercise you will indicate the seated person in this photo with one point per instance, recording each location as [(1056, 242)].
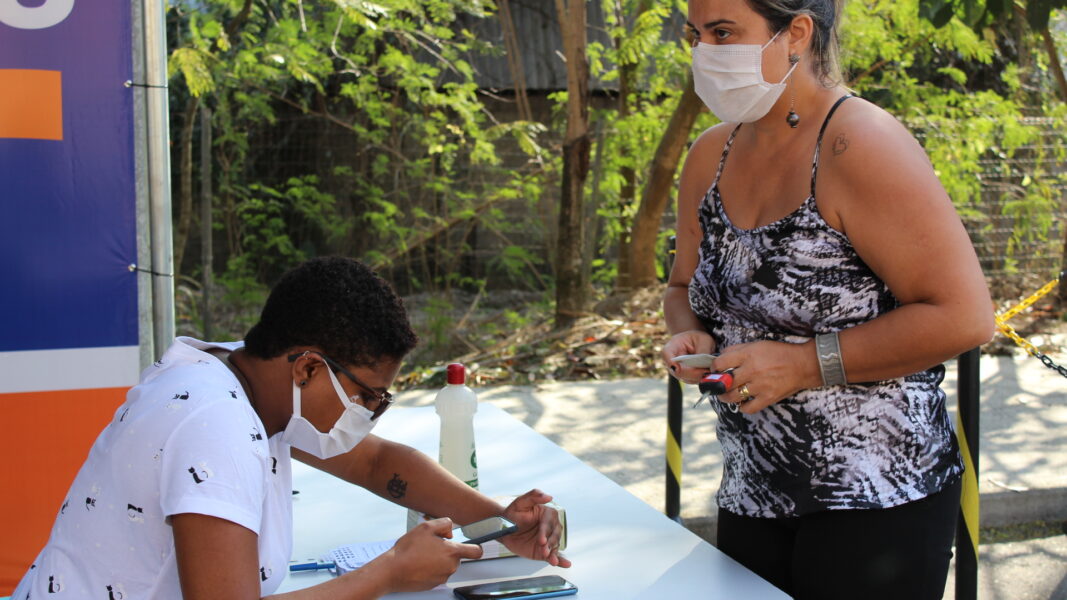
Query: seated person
[(187, 493)]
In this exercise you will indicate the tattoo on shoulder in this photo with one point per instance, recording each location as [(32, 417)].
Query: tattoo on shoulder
[(840, 144), (397, 487)]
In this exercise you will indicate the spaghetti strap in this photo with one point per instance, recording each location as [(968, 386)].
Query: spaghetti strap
[(818, 143), (725, 152)]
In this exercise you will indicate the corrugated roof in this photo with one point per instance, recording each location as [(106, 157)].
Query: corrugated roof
[(540, 45)]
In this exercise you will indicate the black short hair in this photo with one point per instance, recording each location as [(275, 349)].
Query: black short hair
[(337, 304)]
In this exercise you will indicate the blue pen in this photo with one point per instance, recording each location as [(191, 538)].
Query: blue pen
[(311, 566)]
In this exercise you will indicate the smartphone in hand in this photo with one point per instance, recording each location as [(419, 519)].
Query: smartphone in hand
[(695, 361), (528, 588), (489, 529)]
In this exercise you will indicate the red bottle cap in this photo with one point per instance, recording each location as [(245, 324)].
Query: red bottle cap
[(457, 373)]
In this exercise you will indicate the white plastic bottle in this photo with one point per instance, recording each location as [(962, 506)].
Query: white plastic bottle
[(456, 404)]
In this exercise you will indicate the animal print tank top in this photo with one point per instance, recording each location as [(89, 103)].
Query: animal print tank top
[(855, 446)]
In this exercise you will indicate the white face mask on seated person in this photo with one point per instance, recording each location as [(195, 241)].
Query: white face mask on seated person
[(353, 425), (729, 79)]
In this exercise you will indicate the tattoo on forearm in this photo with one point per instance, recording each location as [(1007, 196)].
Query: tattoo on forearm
[(397, 487), (840, 144)]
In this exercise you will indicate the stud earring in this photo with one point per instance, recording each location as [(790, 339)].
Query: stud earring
[(793, 119), (303, 383)]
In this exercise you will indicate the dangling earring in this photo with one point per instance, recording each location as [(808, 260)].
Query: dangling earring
[(793, 118)]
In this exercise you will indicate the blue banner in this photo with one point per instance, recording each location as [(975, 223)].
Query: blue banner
[(67, 185)]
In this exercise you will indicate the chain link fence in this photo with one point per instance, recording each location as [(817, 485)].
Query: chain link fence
[(1018, 250)]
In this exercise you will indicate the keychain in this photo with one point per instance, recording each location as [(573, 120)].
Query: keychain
[(713, 385)]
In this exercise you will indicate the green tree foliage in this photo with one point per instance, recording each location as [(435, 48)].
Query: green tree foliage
[(415, 161), (968, 90), (1020, 29), (964, 88), (419, 151), (983, 13), (647, 43)]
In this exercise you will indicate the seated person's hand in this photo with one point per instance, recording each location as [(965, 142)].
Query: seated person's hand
[(423, 558), (539, 529)]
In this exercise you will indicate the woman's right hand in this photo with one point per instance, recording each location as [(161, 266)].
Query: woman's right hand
[(694, 341), (423, 557)]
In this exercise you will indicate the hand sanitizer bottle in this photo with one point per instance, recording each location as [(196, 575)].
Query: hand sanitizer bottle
[(456, 404)]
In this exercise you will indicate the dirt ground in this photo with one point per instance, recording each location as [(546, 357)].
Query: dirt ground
[(512, 340)]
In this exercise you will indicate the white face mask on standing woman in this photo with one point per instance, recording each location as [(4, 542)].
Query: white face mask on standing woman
[(729, 79), (349, 430)]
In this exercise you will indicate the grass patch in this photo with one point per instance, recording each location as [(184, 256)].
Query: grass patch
[(1021, 532)]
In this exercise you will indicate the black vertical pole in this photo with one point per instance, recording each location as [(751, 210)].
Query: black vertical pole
[(672, 503), (674, 449), (967, 434)]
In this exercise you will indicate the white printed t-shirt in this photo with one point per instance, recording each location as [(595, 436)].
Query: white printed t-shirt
[(185, 441)]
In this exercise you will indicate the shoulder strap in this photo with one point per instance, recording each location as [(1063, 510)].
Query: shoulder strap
[(818, 143), (725, 152)]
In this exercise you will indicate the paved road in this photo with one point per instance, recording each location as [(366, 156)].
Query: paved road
[(618, 427), (1030, 570)]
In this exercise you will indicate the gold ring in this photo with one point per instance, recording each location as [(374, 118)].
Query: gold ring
[(744, 393)]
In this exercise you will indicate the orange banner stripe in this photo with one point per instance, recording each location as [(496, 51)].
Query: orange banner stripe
[(47, 436), (31, 104)]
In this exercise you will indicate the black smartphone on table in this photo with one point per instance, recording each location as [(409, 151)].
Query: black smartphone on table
[(527, 588)]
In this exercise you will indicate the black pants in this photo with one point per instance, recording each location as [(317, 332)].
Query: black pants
[(899, 553)]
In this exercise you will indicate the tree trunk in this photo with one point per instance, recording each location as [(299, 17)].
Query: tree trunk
[(515, 63), (185, 205), (591, 220), (1054, 62), (207, 252), (658, 189), (570, 282), (628, 193)]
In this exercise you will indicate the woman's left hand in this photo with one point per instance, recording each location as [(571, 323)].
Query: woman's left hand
[(766, 372), (539, 529)]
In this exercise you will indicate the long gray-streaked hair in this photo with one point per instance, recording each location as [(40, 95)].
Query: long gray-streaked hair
[(824, 43)]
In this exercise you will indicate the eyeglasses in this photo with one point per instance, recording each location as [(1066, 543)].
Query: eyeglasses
[(383, 400)]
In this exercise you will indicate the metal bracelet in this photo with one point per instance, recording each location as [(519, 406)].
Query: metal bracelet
[(828, 349)]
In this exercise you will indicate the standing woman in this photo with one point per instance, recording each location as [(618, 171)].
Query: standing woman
[(820, 257)]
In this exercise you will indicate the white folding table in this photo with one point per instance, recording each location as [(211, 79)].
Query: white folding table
[(621, 547)]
